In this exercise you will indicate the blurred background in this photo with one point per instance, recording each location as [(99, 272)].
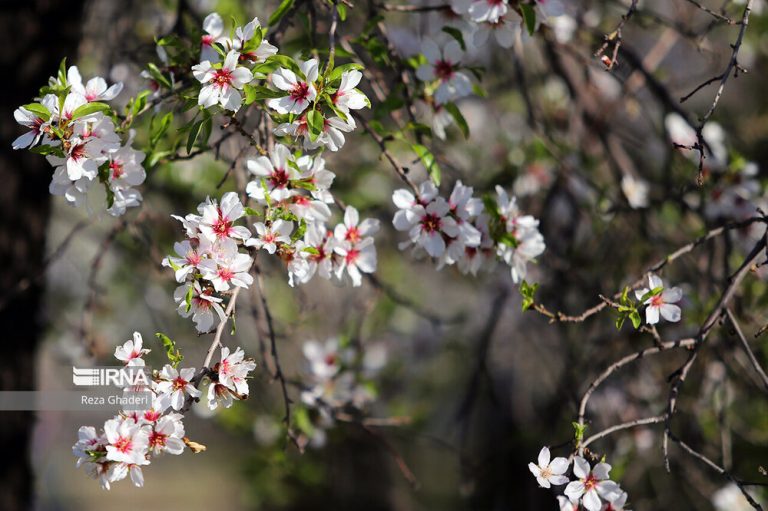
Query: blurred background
[(474, 386)]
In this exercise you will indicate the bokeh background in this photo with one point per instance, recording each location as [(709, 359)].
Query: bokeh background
[(484, 385)]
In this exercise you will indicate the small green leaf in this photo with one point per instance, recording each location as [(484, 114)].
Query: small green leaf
[(139, 102), (461, 122), (90, 108), (174, 355), (490, 206), (635, 317), (193, 133), (45, 150), (281, 11), (158, 76), (650, 294), (429, 162), (342, 12), (316, 124), (158, 129), (257, 92), (340, 70), (456, 34), (39, 110), (579, 430), (251, 212), (529, 16), (188, 297), (63, 72), (528, 291), (301, 418), (174, 266)]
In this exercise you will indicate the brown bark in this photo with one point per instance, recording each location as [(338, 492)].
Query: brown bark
[(35, 35)]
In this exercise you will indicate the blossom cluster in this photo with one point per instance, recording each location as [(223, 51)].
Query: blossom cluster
[(223, 81), (466, 230), (75, 129), (302, 88), (735, 192), (295, 192), (591, 487), (336, 381), (305, 103), (497, 18), (129, 440), (443, 66), (209, 262)]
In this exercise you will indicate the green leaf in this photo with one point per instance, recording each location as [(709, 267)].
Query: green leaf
[(528, 291), (286, 62), (174, 266), (174, 355), (302, 421), (193, 133), (529, 17), (507, 238), (39, 110), (299, 232), (340, 70), (139, 102), (158, 129), (429, 162), (257, 92), (90, 108), (281, 11), (342, 12), (45, 150), (456, 34), (635, 317), (158, 76), (316, 124), (188, 297), (461, 122), (653, 292), (490, 205), (63, 72), (579, 430)]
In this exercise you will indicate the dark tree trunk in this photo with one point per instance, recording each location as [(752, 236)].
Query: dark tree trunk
[(35, 35)]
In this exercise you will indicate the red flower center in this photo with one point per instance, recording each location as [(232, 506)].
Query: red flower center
[(179, 383), (353, 235), (77, 152), (431, 223), (193, 258), (207, 40), (123, 444), (352, 255), (225, 274), (117, 169), (300, 91), (444, 70), (279, 178), (151, 415), (222, 78), (590, 482), (222, 226), (157, 439)]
